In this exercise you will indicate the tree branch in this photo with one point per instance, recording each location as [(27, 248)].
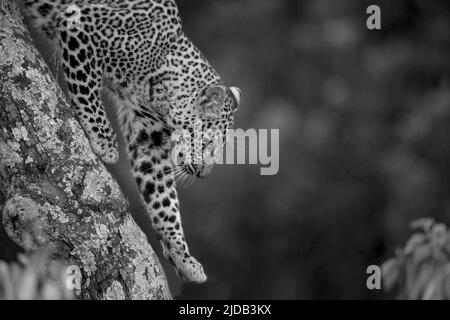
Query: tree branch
[(54, 190)]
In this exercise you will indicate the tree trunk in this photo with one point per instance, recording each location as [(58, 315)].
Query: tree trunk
[(53, 189)]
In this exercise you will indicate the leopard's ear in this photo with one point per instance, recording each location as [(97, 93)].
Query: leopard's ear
[(237, 97), (211, 101)]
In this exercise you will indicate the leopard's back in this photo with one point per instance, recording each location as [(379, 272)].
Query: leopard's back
[(48, 15)]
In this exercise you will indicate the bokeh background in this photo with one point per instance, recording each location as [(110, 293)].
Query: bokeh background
[(364, 145)]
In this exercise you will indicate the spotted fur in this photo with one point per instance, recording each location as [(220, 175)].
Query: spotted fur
[(136, 49)]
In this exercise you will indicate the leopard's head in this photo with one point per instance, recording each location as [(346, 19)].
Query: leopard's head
[(202, 126)]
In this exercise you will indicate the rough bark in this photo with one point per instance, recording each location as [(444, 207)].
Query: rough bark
[(54, 190)]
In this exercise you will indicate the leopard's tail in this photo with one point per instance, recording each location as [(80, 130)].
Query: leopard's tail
[(46, 15)]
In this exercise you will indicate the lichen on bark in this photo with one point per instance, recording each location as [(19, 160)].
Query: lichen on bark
[(54, 190)]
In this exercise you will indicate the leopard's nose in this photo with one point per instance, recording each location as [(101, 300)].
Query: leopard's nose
[(204, 171)]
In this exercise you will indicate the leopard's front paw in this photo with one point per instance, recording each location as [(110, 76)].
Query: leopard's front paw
[(106, 149), (186, 266), (190, 270)]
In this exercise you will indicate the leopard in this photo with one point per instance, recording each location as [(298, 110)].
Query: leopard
[(162, 86)]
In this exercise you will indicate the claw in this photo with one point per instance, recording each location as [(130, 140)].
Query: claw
[(187, 267), (165, 250)]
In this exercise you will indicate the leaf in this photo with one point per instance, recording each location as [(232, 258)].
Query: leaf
[(425, 224), (6, 286), (439, 235), (421, 253), (50, 291), (433, 290), (390, 271), (418, 284), (413, 242), (27, 285)]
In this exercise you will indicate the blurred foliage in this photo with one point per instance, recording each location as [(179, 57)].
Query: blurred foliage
[(364, 142), (37, 277), (422, 269)]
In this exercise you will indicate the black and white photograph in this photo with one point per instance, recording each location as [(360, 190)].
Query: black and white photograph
[(224, 150)]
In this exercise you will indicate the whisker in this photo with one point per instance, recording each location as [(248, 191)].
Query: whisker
[(179, 176), (180, 180), (171, 174), (191, 182), (186, 178)]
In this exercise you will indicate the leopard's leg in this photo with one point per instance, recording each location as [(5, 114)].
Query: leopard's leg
[(83, 72), (153, 171)]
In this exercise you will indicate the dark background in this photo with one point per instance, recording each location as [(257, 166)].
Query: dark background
[(364, 145)]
